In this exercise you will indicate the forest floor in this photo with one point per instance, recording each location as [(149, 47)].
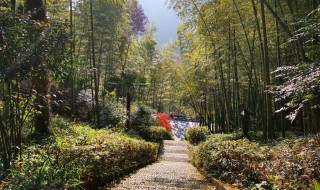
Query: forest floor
[(172, 171)]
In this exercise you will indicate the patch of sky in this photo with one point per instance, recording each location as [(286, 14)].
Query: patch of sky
[(165, 19)]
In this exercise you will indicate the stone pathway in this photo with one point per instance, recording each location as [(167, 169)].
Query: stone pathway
[(172, 172)]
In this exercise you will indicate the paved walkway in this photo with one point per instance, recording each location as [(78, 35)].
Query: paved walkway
[(172, 172)]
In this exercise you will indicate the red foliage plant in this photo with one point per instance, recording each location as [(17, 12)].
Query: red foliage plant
[(164, 121)]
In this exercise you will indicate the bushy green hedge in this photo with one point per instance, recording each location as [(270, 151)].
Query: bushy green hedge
[(287, 164), (154, 133), (141, 116), (196, 134), (111, 115), (80, 157)]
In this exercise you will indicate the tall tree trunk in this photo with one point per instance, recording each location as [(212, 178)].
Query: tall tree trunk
[(260, 106), (42, 77), (315, 116), (91, 81), (95, 70), (13, 6), (71, 60), (237, 94), (305, 119), (5, 147), (42, 86), (5, 144), (229, 89), (128, 107), (279, 60), (314, 4), (224, 96), (268, 99)]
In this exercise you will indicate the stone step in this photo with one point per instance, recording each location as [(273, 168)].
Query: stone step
[(176, 143), (176, 149), (175, 157)]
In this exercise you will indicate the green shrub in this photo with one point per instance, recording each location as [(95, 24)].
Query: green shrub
[(286, 164), (154, 133), (111, 115), (159, 133), (196, 134), (316, 185), (141, 117), (80, 157), (84, 105)]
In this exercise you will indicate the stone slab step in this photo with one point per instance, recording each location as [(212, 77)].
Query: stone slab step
[(175, 157), (176, 143), (176, 149)]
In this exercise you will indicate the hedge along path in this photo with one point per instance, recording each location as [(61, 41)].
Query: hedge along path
[(172, 171)]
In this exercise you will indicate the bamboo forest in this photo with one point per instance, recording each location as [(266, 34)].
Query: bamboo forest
[(90, 100)]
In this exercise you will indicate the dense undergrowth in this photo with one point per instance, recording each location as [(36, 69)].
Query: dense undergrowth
[(76, 156), (284, 164)]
